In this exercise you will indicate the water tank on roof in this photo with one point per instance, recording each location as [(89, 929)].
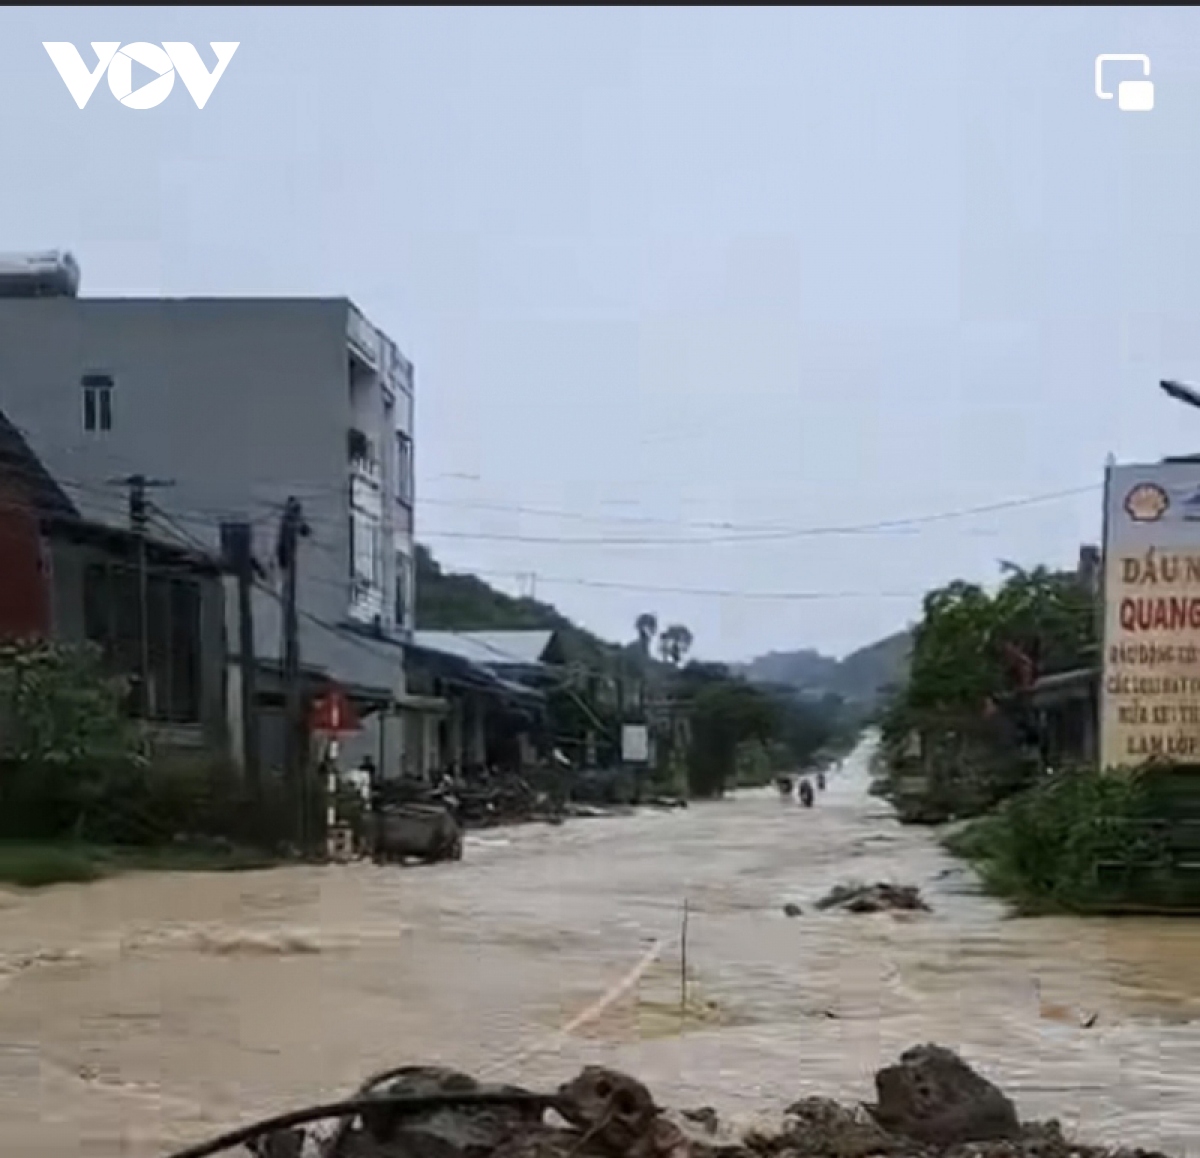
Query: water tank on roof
[(38, 275)]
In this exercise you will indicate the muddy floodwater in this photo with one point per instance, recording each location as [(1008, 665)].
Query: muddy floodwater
[(147, 1011)]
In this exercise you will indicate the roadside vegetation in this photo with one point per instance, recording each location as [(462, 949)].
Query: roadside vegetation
[(963, 742), (1041, 848), (82, 792)]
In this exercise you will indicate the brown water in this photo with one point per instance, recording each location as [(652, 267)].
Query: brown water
[(151, 1010)]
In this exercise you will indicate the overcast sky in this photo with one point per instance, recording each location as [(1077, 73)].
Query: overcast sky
[(666, 270)]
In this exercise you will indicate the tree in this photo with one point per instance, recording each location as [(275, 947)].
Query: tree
[(723, 713), (674, 644), (974, 657), (647, 628), (971, 648)]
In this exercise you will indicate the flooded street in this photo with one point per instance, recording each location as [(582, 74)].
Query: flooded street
[(146, 1011)]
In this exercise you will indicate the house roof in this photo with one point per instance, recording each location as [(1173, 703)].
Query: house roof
[(496, 649), (21, 468), (459, 669), (23, 472)]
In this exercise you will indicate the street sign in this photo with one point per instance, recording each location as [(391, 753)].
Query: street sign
[(635, 744), (333, 714)]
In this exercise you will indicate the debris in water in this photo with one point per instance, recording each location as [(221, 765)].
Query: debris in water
[(877, 898), (249, 943), (930, 1104), (792, 910)]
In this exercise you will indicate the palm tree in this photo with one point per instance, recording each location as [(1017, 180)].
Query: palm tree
[(647, 628), (674, 644)]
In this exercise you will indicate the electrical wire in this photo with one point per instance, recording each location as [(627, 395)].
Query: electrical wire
[(778, 534), (105, 498)]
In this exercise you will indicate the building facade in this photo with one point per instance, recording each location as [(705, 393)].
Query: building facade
[(72, 581), (239, 403)]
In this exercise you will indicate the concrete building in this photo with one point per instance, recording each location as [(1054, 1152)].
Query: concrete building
[(241, 402)]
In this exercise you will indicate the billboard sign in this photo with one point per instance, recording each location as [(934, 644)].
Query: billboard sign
[(1150, 697)]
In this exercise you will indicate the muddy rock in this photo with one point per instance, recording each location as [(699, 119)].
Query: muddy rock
[(611, 1108), (931, 1095), (822, 1128), (876, 898)]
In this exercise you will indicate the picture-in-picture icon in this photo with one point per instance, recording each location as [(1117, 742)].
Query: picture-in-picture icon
[(1133, 96)]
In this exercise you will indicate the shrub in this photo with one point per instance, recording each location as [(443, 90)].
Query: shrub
[(64, 737), (1042, 847)]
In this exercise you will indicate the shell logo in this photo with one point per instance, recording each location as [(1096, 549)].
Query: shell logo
[(1147, 503)]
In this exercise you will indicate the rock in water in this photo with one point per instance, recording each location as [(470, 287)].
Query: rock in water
[(791, 910), (932, 1096)]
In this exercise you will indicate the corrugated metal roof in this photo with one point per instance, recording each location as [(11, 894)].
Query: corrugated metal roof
[(490, 648)]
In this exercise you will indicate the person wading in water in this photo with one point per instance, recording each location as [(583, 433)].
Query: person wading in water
[(806, 793)]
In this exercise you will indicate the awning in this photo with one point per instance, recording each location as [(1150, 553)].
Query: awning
[(460, 672)]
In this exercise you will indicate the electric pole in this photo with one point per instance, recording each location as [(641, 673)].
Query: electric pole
[(239, 554), (139, 517), (291, 529)]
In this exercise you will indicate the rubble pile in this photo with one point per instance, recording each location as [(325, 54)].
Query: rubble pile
[(877, 898), (930, 1104)]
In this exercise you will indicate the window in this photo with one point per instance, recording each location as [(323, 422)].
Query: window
[(404, 468), (365, 549), (97, 402)]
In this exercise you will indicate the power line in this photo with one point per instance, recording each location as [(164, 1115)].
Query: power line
[(709, 592), (720, 524), (779, 534), (737, 532)]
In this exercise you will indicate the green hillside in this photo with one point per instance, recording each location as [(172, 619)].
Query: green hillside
[(458, 601)]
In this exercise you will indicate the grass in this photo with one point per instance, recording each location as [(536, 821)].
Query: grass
[(32, 865)]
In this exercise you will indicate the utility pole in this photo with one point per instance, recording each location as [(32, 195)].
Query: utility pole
[(239, 554), (291, 529), (139, 517)]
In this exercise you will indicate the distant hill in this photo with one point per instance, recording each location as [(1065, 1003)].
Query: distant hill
[(861, 677)]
